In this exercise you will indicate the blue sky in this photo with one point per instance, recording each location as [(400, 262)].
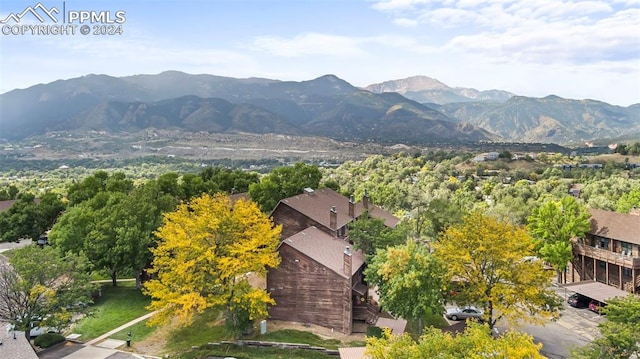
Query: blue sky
[(573, 49)]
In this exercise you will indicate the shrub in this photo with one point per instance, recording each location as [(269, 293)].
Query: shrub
[(374, 332), (48, 339)]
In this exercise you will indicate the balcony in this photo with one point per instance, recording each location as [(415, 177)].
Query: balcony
[(606, 255)]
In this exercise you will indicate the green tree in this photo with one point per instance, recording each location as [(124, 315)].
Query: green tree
[(284, 182), (475, 343), (620, 333), (113, 229), (370, 234), (490, 258), (629, 200), (205, 251), (553, 225), (100, 181), (28, 218), (410, 280), (40, 285)]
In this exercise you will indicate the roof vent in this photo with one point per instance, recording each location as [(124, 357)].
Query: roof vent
[(308, 190)]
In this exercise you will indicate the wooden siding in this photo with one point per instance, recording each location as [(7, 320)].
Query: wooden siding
[(293, 221), (307, 292), (583, 268)]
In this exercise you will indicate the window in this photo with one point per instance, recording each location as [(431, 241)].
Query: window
[(603, 243), (602, 264), (626, 248), (626, 272)]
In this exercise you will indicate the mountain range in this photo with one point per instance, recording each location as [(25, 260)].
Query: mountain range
[(416, 110)]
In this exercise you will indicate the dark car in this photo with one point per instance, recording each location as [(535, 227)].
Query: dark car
[(578, 300), (595, 306)]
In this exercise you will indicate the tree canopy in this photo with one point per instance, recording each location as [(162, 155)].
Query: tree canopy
[(114, 229), (620, 332), (206, 249), (28, 218), (553, 224), (284, 182), (411, 281), (490, 259), (476, 342), (40, 285), (370, 234)]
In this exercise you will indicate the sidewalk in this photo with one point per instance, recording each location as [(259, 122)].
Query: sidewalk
[(98, 348), (124, 326)]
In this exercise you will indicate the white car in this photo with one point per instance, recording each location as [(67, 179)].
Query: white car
[(463, 313)]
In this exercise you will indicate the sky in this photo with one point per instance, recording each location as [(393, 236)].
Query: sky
[(573, 49)]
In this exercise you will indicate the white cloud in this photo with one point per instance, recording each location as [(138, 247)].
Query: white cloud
[(404, 22)]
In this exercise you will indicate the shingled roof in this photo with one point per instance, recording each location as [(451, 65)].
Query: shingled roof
[(614, 225), (324, 249), (316, 205)]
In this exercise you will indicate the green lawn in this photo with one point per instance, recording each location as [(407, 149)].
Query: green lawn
[(250, 353), (139, 332), (296, 336), (206, 328), (116, 306), (430, 320)]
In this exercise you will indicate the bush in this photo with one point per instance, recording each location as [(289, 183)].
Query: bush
[(374, 332), (48, 339)]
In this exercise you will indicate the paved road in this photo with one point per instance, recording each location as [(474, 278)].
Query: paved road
[(5, 246), (574, 328)]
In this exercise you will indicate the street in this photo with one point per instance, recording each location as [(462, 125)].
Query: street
[(574, 328)]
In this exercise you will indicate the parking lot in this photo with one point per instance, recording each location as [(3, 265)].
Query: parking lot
[(575, 328)]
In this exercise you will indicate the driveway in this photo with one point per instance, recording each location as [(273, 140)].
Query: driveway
[(574, 328), (70, 350)]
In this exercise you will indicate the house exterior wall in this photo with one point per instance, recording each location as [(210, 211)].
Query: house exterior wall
[(307, 292), (606, 260), (293, 221)]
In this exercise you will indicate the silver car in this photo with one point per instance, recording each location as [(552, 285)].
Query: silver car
[(463, 313)]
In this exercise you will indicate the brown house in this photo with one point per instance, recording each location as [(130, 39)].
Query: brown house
[(325, 209), (320, 279), (610, 252)]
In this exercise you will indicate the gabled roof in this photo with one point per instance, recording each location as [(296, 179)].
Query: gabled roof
[(18, 348), (614, 225), (5, 205), (316, 205), (596, 290), (324, 249)]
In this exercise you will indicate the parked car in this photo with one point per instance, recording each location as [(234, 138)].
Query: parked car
[(578, 300), (463, 313), (595, 306), (37, 331)]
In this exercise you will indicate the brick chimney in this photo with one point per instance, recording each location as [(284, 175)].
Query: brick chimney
[(352, 207), (347, 261), (333, 218), (365, 200)]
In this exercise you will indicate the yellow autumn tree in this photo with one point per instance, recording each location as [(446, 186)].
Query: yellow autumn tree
[(206, 249), (475, 342), (494, 263)]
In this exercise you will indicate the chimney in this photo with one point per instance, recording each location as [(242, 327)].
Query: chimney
[(365, 200), (347, 261), (333, 218), (352, 207)]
